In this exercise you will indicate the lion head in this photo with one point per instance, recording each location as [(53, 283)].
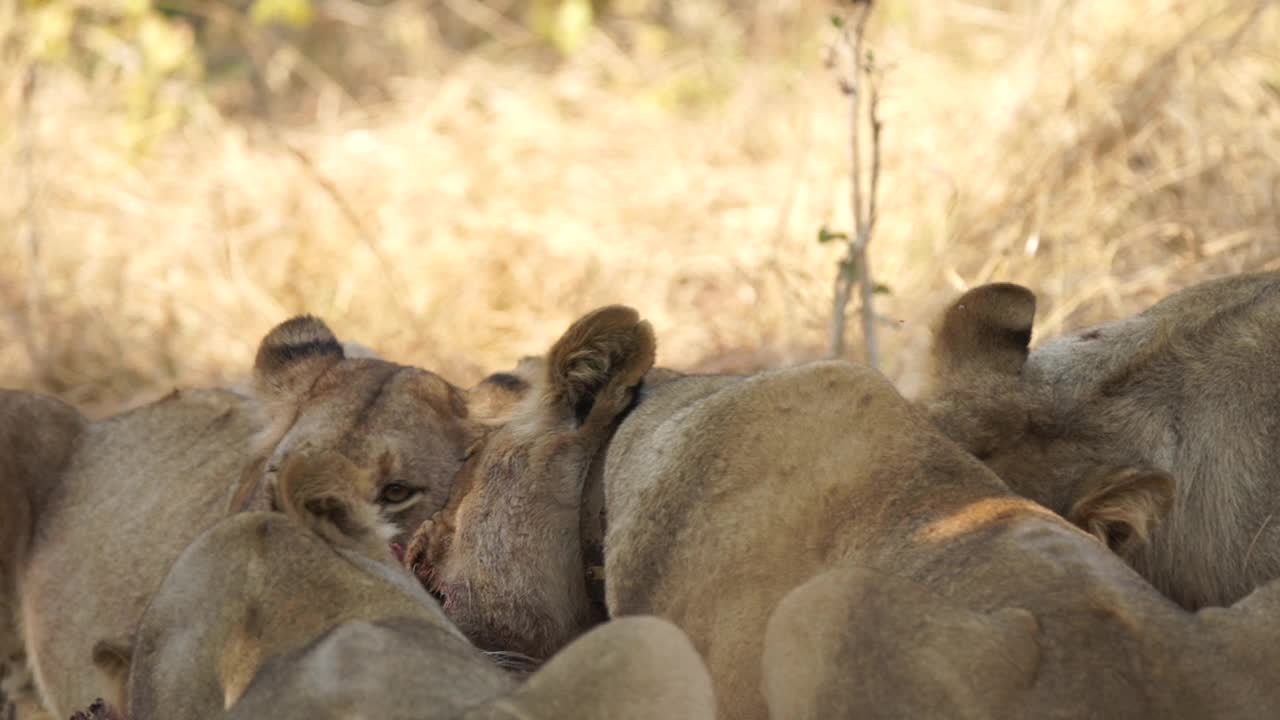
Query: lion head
[(406, 429), (518, 503), (1047, 441)]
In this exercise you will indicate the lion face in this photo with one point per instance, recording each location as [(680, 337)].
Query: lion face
[(505, 555), (407, 429)]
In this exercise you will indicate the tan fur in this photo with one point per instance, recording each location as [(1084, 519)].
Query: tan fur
[(748, 510), (330, 494), (530, 474), (141, 485), (497, 396), (38, 436), (261, 617), (1123, 507), (1186, 389)]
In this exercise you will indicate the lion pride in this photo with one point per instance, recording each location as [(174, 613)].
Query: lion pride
[(756, 512), (306, 615)]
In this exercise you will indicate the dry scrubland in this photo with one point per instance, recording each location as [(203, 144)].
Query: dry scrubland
[(1101, 152)]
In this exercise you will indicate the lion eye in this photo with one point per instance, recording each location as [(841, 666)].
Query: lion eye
[(395, 493)]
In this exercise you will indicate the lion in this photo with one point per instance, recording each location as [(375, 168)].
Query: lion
[(557, 422), (37, 438), (745, 510), (306, 615), (904, 649), (1185, 388), (139, 486)]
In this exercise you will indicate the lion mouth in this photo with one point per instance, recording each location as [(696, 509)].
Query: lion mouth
[(426, 575), (414, 558)]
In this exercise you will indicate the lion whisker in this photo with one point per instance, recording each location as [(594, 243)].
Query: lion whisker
[(1249, 552), (514, 662)]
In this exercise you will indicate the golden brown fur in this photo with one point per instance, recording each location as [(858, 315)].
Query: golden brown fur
[(141, 485), (37, 438), (749, 511), (1111, 650), (527, 479), (1187, 388), (287, 617)]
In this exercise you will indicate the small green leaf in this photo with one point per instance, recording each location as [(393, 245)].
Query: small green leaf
[(165, 45), (294, 13), (837, 21), (566, 24), (881, 289), (826, 235), (51, 29)]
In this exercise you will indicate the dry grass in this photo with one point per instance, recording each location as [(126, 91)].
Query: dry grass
[(1103, 153)]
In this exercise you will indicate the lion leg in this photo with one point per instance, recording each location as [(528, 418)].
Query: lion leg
[(634, 668), (853, 642)]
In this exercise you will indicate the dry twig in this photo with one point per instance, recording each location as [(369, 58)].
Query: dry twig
[(854, 270)]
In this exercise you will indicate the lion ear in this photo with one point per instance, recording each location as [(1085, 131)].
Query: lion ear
[(1121, 507), (321, 489), (988, 329), (293, 355), (593, 367), (493, 400)]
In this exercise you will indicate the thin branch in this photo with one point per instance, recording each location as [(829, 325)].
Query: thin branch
[(854, 268), (839, 302), (871, 344), (852, 89), (873, 111)]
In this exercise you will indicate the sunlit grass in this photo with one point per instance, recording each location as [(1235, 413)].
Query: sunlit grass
[(1102, 153)]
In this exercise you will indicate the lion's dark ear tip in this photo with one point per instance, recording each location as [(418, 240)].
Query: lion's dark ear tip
[(294, 340), (1007, 295)]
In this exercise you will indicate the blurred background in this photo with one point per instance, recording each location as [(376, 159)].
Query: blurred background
[(451, 182)]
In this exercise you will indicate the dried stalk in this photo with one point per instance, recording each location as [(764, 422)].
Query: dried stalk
[(865, 229), (854, 268)]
